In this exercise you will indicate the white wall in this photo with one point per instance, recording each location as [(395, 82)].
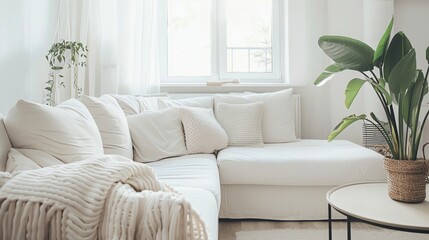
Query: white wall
[(26, 30)]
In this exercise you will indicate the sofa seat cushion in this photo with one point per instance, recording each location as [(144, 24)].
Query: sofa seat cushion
[(197, 171), (204, 203), (302, 163)]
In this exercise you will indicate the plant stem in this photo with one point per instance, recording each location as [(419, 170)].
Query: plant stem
[(427, 72), (390, 114), (402, 153), (394, 128), (367, 76), (375, 77), (421, 129)]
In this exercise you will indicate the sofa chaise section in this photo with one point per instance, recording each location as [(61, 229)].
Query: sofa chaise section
[(195, 171), (195, 176), (289, 181)]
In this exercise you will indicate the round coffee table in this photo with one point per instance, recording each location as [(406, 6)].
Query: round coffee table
[(368, 202)]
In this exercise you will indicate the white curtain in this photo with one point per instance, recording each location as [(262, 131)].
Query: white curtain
[(122, 38), (138, 60)]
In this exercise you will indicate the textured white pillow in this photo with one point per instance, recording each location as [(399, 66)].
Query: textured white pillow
[(111, 123), (242, 123), (130, 104), (278, 121), (200, 102), (157, 135), (203, 134), (18, 162), (41, 158), (67, 131)]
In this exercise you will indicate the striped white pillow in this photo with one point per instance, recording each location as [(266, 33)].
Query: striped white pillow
[(242, 123)]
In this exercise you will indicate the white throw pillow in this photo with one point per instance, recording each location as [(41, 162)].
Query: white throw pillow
[(111, 123), (16, 162), (156, 135), (278, 122), (153, 99), (67, 131), (41, 158), (203, 134), (242, 123), (200, 102), (130, 104), (4, 145)]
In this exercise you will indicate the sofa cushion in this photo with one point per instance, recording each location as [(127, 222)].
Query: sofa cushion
[(4, 145), (152, 100), (203, 133), (242, 123), (197, 171), (41, 158), (111, 123), (204, 204), (130, 104), (278, 123), (201, 102), (157, 135), (17, 162), (67, 131), (307, 162)]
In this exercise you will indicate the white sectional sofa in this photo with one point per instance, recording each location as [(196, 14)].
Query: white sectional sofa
[(281, 181)]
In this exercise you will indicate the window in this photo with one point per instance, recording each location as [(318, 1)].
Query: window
[(219, 40)]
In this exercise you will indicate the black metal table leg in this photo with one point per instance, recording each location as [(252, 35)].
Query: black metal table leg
[(349, 230), (329, 221)]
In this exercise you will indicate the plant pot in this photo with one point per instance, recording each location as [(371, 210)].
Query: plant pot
[(407, 179)]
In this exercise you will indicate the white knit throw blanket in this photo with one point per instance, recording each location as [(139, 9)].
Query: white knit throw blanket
[(109, 197)]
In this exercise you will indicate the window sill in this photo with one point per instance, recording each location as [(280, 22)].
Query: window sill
[(241, 87)]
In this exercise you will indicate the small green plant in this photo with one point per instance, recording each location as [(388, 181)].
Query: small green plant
[(64, 54), (399, 86)]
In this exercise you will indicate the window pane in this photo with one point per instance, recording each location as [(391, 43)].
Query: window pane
[(240, 61), (189, 37), (249, 24)]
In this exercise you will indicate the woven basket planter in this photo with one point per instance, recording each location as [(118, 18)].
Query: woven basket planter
[(407, 179)]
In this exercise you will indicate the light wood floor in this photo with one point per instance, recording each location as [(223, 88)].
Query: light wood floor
[(228, 228)]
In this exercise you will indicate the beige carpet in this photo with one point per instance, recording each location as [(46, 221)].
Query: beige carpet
[(338, 234)]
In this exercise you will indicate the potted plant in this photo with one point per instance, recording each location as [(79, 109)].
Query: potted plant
[(64, 54), (400, 88)]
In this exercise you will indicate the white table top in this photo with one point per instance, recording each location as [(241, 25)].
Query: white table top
[(370, 202)]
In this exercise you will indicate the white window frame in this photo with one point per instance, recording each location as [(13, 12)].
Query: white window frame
[(219, 51)]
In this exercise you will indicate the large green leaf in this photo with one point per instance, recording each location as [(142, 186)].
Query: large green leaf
[(348, 53), (344, 124), (412, 100), (382, 82), (406, 102), (381, 88), (327, 74), (352, 90), (403, 74), (382, 45), (398, 48)]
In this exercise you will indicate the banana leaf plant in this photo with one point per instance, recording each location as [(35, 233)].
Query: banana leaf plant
[(391, 72)]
